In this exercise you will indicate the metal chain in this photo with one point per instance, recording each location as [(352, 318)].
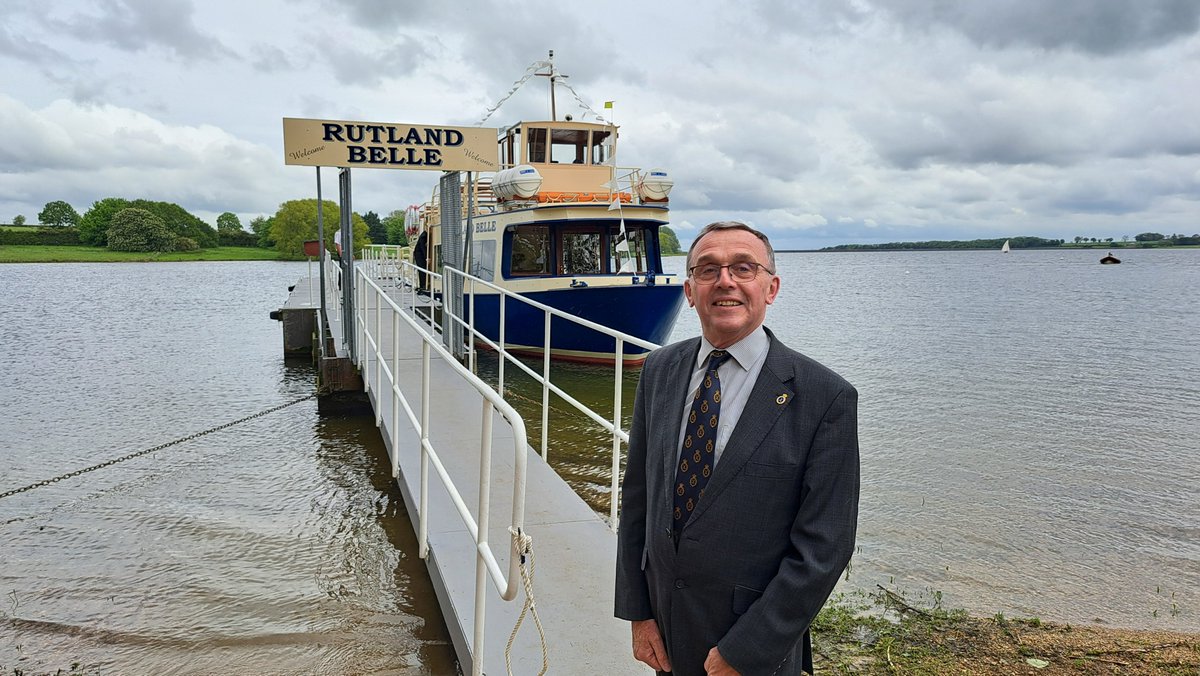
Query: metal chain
[(68, 475)]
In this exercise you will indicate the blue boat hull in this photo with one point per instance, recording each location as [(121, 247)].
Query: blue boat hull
[(648, 312)]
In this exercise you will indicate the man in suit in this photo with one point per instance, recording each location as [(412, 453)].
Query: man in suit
[(420, 254), (734, 529)]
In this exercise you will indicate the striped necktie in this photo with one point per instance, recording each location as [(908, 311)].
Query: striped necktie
[(697, 456)]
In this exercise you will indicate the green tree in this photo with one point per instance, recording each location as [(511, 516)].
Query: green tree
[(180, 221), (261, 227), (134, 229), (393, 225), (18, 220), (1148, 237), (228, 222), (376, 230), (58, 213), (296, 221), (93, 227), (668, 242)]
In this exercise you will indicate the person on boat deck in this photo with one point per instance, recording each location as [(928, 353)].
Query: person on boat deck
[(420, 254), (740, 500)]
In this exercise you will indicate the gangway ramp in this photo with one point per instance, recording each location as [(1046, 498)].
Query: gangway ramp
[(574, 550)]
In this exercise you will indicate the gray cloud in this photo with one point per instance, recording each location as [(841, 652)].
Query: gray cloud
[(1105, 27), (371, 67), (270, 59), (35, 53), (138, 25), (823, 121)]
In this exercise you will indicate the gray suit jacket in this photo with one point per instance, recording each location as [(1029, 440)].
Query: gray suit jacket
[(774, 531)]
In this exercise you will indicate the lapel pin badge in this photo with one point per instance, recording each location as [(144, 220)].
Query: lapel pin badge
[(781, 399)]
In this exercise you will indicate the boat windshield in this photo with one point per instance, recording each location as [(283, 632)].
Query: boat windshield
[(582, 251), (578, 249), (557, 146), (568, 146)]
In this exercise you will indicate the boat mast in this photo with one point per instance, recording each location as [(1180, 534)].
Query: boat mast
[(553, 75)]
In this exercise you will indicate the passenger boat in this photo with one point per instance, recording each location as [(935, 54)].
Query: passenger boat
[(563, 225)]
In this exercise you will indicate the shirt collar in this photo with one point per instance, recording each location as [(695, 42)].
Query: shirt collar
[(744, 352)]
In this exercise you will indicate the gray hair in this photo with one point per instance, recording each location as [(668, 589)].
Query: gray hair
[(732, 225)]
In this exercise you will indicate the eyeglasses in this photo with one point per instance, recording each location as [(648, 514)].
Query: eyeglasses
[(709, 273)]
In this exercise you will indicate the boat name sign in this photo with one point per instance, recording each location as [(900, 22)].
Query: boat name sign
[(383, 145)]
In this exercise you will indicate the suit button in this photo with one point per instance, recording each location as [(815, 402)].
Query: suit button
[(680, 584)]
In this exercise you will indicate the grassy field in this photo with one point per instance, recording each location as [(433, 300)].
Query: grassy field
[(92, 254)]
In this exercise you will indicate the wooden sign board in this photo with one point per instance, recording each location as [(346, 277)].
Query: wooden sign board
[(389, 145)]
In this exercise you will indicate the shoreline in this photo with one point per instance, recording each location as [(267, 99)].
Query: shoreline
[(35, 253), (884, 633)]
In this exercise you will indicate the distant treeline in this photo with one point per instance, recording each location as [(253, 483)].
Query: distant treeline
[(1144, 240), (1013, 242)]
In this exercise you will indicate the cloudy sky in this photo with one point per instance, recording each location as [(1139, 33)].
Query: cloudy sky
[(823, 122)]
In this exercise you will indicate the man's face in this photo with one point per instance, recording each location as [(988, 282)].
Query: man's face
[(729, 310)]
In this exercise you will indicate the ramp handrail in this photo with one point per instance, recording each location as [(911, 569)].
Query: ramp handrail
[(613, 426), (370, 301)]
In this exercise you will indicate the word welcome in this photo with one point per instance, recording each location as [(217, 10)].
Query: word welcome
[(295, 155)]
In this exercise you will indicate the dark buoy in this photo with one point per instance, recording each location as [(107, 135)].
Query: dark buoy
[(1110, 259)]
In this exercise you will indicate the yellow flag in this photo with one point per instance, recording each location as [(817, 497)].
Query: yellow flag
[(608, 104)]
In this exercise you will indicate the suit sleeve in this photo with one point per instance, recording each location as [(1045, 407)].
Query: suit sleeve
[(822, 541), (632, 591)]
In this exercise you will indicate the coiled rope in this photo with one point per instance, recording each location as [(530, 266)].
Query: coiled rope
[(523, 545), (130, 456)]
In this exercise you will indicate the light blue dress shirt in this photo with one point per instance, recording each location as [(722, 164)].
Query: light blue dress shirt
[(737, 375)]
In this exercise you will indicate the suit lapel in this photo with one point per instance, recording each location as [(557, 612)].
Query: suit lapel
[(669, 411), (762, 410)]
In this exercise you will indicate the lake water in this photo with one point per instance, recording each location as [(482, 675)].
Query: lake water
[(1030, 428), (1030, 424), (278, 546)]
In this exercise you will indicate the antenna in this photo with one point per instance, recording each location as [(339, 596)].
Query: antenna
[(554, 76)]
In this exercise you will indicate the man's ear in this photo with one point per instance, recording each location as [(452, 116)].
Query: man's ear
[(773, 290)]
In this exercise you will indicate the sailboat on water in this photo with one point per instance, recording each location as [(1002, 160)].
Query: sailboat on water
[(1004, 249)]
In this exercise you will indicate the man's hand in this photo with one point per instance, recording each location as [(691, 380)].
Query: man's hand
[(648, 645), (716, 665)]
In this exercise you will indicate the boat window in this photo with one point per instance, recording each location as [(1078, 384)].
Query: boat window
[(600, 152), (637, 250), (483, 259), (510, 148), (582, 252), (568, 146), (530, 250), (537, 144)]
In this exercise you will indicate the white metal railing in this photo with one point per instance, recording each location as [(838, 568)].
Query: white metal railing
[(471, 285), (383, 260), (333, 287), (371, 301)]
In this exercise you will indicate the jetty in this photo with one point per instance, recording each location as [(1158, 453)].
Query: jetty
[(507, 543)]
